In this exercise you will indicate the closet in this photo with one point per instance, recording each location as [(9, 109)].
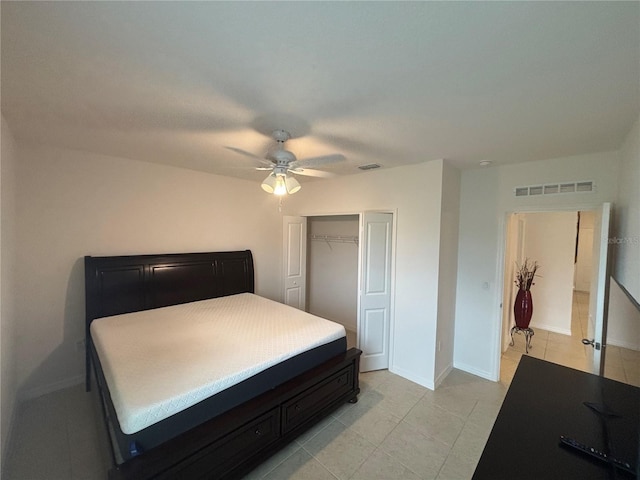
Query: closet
[(332, 270)]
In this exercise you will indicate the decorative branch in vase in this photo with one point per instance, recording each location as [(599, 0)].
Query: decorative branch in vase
[(523, 306), (525, 274)]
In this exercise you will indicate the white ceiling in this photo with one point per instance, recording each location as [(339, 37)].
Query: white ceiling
[(393, 83)]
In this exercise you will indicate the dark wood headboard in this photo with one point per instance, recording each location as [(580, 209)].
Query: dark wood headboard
[(124, 284)]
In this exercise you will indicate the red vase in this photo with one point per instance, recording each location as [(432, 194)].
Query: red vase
[(523, 308)]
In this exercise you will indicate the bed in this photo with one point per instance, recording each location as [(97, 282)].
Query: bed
[(196, 376)]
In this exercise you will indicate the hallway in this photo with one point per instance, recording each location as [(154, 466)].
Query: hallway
[(621, 364)]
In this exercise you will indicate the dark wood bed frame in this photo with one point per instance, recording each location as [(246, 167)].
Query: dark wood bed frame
[(231, 444)]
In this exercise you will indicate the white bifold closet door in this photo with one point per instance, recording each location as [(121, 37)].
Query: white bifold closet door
[(374, 302), (374, 312), (295, 261)]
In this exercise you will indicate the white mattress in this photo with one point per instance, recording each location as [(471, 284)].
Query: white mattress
[(162, 361)]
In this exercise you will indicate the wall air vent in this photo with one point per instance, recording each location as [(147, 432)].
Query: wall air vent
[(555, 189), (370, 166), (585, 187)]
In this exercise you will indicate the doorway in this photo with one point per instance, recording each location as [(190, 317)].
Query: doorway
[(564, 298), (332, 270), (339, 267)]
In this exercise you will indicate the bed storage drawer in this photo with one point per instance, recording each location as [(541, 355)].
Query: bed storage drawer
[(223, 455), (247, 441), (312, 401)]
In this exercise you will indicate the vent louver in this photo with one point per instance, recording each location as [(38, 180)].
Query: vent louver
[(369, 166), (555, 189)]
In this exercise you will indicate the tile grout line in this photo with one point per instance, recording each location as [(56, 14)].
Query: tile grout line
[(323, 465), (381, 448), (454, 442), (69, 446)]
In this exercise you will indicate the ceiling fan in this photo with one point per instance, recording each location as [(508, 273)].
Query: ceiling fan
[(281, 163)]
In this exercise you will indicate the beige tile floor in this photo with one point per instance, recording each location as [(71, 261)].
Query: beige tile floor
[(397, 430), (621, 364)]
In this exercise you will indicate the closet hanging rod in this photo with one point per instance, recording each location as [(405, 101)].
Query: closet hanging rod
[(335, 238)]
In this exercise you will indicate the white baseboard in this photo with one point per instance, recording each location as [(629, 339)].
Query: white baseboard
[(615, 342), (6, 448), (443, 375), (551, 328), (412, 377), (28, 394), (474, 371)]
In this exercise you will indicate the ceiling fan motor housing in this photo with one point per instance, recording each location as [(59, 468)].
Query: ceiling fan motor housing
[(281, 136), (282, 157), (280, 162)]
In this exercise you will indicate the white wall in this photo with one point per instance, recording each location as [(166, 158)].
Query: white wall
[(414, 194), (550, 239), (627, 215), (623, 329), (8, 380), (514, 256), (584, 262), (448, 268), (624, 319), (332, 270), (486, 197), (71, 204)]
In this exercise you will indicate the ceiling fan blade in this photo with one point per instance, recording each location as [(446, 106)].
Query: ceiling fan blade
[(313, 173), (265, 169), (260, 160), (317, 161), (243, 152)]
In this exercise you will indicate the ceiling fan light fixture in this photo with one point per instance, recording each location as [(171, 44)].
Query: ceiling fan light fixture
[(269, 183), (292, 184), (282, 163), (281, 186)]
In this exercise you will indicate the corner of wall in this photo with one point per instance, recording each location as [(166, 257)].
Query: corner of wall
[(626, 268), (7, 312), (447, 271), (624, 294), (623, 328)]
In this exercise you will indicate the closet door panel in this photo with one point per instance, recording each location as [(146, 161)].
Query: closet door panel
[(375, 293), (295, 261)]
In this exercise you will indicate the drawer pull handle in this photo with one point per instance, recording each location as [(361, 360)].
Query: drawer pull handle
[(258, 432), (297, 407)]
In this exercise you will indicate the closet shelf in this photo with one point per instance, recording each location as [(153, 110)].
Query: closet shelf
[(335, 238)]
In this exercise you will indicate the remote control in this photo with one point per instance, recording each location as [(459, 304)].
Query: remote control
[(570, 442)]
